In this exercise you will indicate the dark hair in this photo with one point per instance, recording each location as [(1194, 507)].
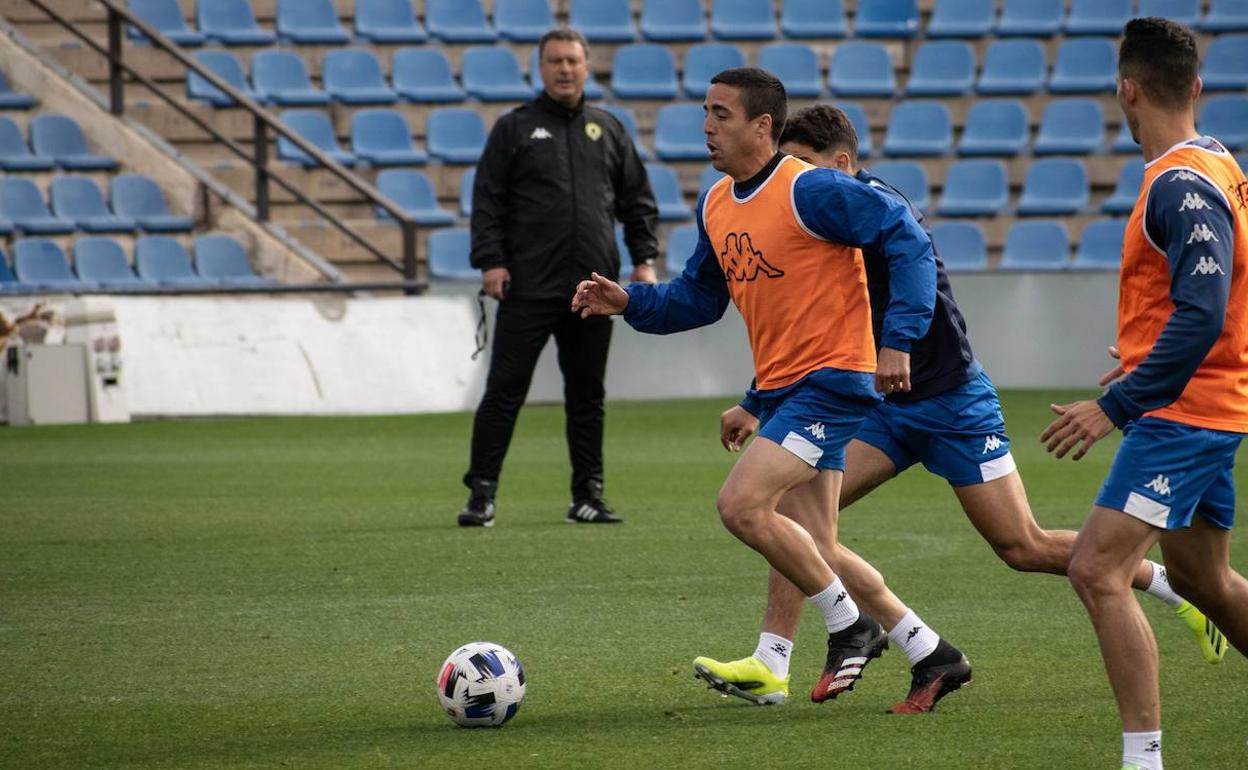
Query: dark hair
[(562, 34), (762, 93), (822, 126), (1161, 56)]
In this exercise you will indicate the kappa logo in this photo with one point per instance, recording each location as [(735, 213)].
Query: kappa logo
[(1206, 266), (816, 429), (991, 444), (1193, 202), (1201, 233), (1160, 485), (913, 632), (778, 649), (1153, 746), (842, 596), (1183, 176), (742, 262), (541, 133)]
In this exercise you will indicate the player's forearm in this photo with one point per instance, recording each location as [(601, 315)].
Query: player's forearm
[(668, 308)]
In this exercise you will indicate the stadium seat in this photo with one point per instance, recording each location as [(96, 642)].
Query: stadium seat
[(79, 200), (1012, 67), (223, 65), (643, 71), (59, 137), (908, 177), (1100, 245), (231, 22), (1225, 16), (861, 69), (1242, 160), (1054, 187), (10, 100), (666, 189), (41, 262), (1226, 64), (887, 18), (15, 154), (960, 246), (165, 16), (681, 241), (960, 18), (522, 21), (858, 116), (709, 176), (102, 261), (423, 75), (1034, 18), (603, 21), (672, 20), (449, 252), (813, 19), (353, 76), (919, 128), (162, 259), (678, 133), (593, 89), (625, 116), (412, 192), (22, 204), (314, 126), (743, 19), (279, 77), (458, 21), (1072, 126), (1084, 65), (1186, 12), (8, 282), (706, 60), (456, 135), (382, 138), (491, 74), (137, 197), (310, 22), (221, 258), (1037, 245), (797, 66), (1127, 190), (1123, 143), (626, 256), (942, 68), (466, 181), (1224, 117), (1098, 17), (995, 127), (973, 188), (388, 22)]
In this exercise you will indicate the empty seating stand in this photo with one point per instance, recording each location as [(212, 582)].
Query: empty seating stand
[(22, 205), (13, 101), (1226, 64), (353, 76), (59, 137), (743, 19), (973, 188), (458, 21), (942, 68), (223, 65), (165, 16), (681, 242), (1012, 67), (678, 133), (382, 138), (314, 126), (412, 192), (222, 259), (388, 22), (424, 75), (139, 198), (666, 189), (603, 21), (522, 21), (1127, 189), (961, 18), (313, 22), (1100, 245), (449, 250), (15, 154), (79, 200), (162, 260), (1098, 17), (456, 135), (280, 77), (491, 74), (797, 66), (960, 246), (705, 60), (644, 71), (231, 22), (887, 18), (909, 178), (672, 20), (1032, 18), (41, 263), (995, 127), (919, 128), (103, 262), (1037, 245), (861, 69), (1085, 65), (1073, 126), (1054, 187), (813, 19)]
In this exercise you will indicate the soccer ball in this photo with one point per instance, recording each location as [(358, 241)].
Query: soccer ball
[(481, 685)]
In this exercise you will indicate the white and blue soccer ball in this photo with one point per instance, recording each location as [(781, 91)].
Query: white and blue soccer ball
[(481, 685)]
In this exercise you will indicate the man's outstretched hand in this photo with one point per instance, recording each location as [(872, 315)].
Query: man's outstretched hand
[(599, 296)]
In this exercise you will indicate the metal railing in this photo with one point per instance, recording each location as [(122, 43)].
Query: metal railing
[(263, 122)]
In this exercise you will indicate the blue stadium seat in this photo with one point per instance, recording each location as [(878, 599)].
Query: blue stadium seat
[(942, 68), (919, 128), (858, 116), (412, 192), (1224, 117), (78, 199), (456, 135), (423, 75), (466, 181), (1073, 126), (626, 256), (1034, 18), (603, 21), (626, 118), (280, 77), (908, 177), (1085, 65), (709, 176), (593, 89), (311, 22), (163, 260), (666, 189), (1242, 160), (388, 22), (1036, 245), (678, 133), (353, 76), (1098, 17), (644, 71), (1186, 12), (1012, 67), (1225, 16), (314, 126), (223, 65), (995, 127), (961, 18), (797, 66), (706, 60), (449, 252), (1054, 187), (59, 137), (231, 22), (743, 19), (137, 197), (15, 154), (103, 262), (382, 138), (458, 21), (681, 242), (221, 258), (887, 18), (813, 19), (1127, 190), (861, 69), (491, 74), (673, 20), (1226, 64), (1100, 245), (22, 204), (167, 19), (974, 188), (41, 262), (1123, 143), (10, 100), (8, 282), (522, 21), (960, 246)]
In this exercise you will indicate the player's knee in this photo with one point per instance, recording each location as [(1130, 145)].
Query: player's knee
[(739, 515), (1202, 588), (1090, 579), (1018, 556)]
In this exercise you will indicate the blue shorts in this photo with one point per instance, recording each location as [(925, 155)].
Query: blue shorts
[(958, 435), (1166, 471), (816, 417)]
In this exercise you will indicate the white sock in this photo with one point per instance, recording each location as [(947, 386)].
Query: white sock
[(1160, 587), (914, 636), (1143, 749), (839, 610), (774, 652)]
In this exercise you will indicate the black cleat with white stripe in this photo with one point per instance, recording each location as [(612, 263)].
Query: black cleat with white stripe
[(849, 652), (593, 510)]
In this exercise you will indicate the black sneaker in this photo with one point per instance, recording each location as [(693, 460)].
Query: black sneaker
[(934, 677), (849, 652), (593, 510), (479, 510)]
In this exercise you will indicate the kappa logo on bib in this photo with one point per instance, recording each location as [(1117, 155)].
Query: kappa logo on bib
[(742, 262)]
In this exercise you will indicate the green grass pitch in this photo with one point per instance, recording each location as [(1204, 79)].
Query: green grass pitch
[(281, 593)]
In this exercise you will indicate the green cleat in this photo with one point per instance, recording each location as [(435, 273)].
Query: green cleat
[(748, 679), (1212, 642)]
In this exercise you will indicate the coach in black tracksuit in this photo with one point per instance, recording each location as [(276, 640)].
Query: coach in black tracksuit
[(554, 177)]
